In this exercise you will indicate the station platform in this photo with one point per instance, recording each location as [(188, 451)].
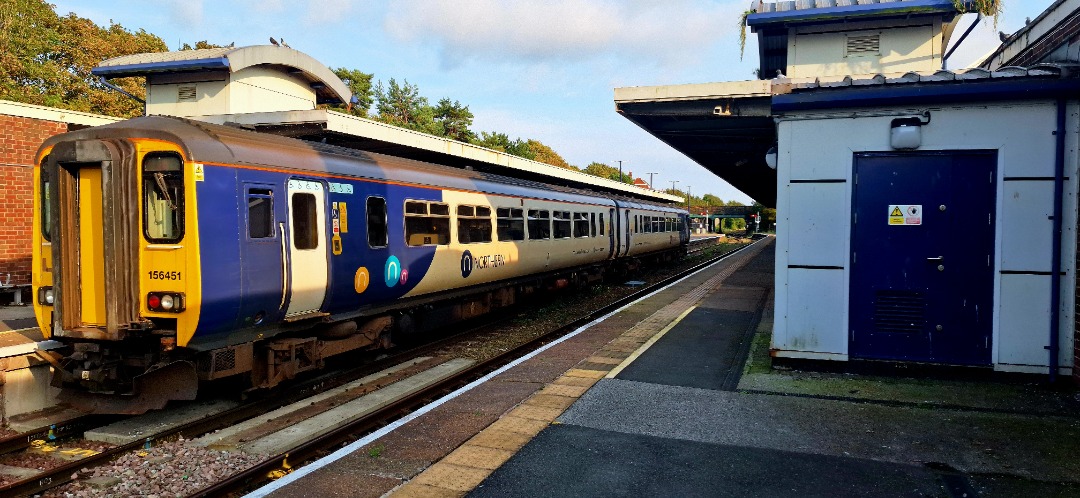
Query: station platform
[(673, 395)]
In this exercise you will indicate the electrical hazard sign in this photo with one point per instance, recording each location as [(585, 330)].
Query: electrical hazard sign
[(905, 214)]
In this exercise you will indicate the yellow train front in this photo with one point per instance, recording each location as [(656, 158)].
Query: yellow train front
[(168, 251)]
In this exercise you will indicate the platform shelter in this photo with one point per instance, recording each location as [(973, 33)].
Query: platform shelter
[(276, 89)]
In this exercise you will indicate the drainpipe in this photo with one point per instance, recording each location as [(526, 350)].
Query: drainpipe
[(945, 60), (1055, 264)]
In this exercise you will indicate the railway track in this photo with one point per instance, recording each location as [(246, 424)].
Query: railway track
[(315, 447)]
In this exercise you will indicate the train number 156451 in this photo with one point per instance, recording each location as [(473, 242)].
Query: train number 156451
[(164, 275)]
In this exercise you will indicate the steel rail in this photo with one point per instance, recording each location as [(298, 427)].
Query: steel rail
[(63, 474), (324, 444)]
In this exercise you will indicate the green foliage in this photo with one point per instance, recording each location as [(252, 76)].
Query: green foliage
[(604, 171), (742, 31), (546, 155), (502, 143), (990, 8), (359, 84), (400, 105), (455, 120), (202, 45), (46, 59)]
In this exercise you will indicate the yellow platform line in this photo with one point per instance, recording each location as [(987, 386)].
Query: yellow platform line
[(467, 466), (644, 347)]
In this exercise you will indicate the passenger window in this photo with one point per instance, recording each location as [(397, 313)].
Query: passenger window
[(260, 203), (539, 224), (376, 222), (163, 198), (46, 203), (305, 221), (592, 225), (427, 223), (511, 224), (474, 224), (601, 224), (581, 225), (561, 224)]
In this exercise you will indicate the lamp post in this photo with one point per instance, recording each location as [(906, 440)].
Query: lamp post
[(620, 171), (673, 182), (687, 197), (651, 179)]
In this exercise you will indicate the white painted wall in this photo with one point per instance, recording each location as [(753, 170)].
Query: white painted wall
[(252, 89), (814, 228), (821, 51)]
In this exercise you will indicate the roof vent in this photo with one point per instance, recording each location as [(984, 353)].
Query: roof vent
[(863, 45), (185, 94)]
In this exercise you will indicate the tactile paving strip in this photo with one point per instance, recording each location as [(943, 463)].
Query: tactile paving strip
[(466, 467)]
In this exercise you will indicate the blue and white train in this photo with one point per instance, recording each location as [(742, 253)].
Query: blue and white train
[(169, 251)]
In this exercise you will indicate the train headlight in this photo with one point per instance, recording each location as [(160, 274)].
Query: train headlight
[(170, 302), (45, 296)]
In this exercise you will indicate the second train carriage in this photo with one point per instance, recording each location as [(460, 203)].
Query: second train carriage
[(167, 250)]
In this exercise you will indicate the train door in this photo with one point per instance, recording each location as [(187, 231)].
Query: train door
[(307, 248), (922, 280), (263, 252), (91, 241), (612, 237), (627, 228)]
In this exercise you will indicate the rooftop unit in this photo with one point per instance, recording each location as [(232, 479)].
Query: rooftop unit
[(810, 38)]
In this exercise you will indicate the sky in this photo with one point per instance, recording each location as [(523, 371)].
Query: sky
[(532, 69)]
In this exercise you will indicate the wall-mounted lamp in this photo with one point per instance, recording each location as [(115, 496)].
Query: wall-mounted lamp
[(770, 157), (907, 132)]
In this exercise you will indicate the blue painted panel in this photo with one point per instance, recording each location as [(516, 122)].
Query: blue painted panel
[(355, 254), (220, 247), (261, 273), (906, 303)]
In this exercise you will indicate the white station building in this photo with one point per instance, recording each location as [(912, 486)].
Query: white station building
[(925, 214)]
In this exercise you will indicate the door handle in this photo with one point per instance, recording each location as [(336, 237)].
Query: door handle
[(939, 259)]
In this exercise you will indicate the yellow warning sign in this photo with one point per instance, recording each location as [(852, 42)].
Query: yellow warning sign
[(905, 214)]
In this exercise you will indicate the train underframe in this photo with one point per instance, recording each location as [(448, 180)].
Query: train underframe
[(145, 370)]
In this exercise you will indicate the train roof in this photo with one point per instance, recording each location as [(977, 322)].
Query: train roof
[(220, 144)]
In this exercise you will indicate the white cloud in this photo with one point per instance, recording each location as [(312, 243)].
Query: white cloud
[(658, 33), (187, 12), (327, 12)]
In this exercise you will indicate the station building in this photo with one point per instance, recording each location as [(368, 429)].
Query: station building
[(925, 214)]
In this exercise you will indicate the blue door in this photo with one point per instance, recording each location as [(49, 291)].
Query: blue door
[(922, 256), (261, 252)]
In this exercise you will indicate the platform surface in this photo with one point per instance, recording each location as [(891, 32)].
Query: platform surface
[(657, 399)]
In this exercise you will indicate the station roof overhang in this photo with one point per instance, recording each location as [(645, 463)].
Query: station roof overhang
[(329, 89), (354, 132), (725, 127)]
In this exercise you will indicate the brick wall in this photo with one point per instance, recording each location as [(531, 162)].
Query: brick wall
[(19, 140)]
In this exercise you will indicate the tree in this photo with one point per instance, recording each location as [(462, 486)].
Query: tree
[(359, 84), (546, 154), (46, 59), (400, 105), (502, 143), (455, 120), (604, 171), (711, 200)]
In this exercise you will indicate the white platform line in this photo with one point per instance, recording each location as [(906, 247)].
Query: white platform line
[(360, 443)]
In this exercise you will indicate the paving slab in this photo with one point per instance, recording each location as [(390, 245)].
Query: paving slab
[(225, 438), (139, 427), (284, 439)]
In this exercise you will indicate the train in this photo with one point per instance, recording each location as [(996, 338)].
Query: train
[(169, 252)]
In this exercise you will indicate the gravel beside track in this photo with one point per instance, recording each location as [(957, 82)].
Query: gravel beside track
[(179, 468)]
